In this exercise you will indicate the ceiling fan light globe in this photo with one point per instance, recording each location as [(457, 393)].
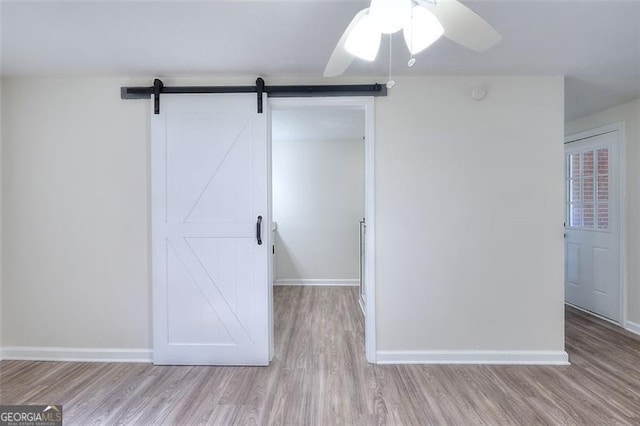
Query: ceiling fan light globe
[(364, 39), (421, 30), (390, 14)]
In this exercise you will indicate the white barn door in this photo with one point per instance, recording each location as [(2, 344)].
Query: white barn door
[(209, 182)]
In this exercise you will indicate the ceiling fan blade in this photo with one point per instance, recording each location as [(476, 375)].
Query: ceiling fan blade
[(340, 59), (464, 26)]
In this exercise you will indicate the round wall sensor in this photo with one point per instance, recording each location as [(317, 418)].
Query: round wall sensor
[(478, 93), (390, 84)]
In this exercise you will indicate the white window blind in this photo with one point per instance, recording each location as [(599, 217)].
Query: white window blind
[(588, 189)]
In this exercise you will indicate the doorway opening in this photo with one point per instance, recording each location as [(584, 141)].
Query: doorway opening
[(594, 223), (322, 188)]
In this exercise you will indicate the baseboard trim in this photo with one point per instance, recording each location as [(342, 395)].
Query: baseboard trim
[(35, 353), (593, 314), (320, 282), (474, 357), (632, 327)]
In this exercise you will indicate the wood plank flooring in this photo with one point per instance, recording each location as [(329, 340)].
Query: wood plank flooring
[(319, 377)]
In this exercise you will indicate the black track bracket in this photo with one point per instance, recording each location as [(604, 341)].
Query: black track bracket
[(260, 91), (157, 89)]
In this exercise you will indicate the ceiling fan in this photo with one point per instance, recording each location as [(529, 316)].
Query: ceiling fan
[(421, 21)]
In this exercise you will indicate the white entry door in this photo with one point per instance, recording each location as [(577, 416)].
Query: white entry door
[(592, 230), (209, 178)]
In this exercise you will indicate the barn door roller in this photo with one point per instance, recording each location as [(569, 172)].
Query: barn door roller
[(159, 88)]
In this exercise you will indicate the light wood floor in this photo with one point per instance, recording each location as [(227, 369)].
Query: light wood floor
[(319, 376)]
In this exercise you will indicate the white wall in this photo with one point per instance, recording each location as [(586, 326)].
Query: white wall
[(0, 206), (318, 199), (628, 113), (0, 191), (75, 229), (469, 206)]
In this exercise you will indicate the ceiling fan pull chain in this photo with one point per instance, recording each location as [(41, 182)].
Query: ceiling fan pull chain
[(412, 59), (390, 82)]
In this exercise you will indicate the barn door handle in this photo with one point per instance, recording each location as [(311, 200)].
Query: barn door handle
[(259, 230)]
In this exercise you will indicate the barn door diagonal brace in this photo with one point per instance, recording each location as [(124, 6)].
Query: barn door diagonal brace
[(159, 88)]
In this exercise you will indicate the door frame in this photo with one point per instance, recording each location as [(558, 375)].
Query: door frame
[(622, 208), (367, 105)]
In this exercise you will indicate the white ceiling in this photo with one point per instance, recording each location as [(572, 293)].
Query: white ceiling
[(317, 124), (596, 44)]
